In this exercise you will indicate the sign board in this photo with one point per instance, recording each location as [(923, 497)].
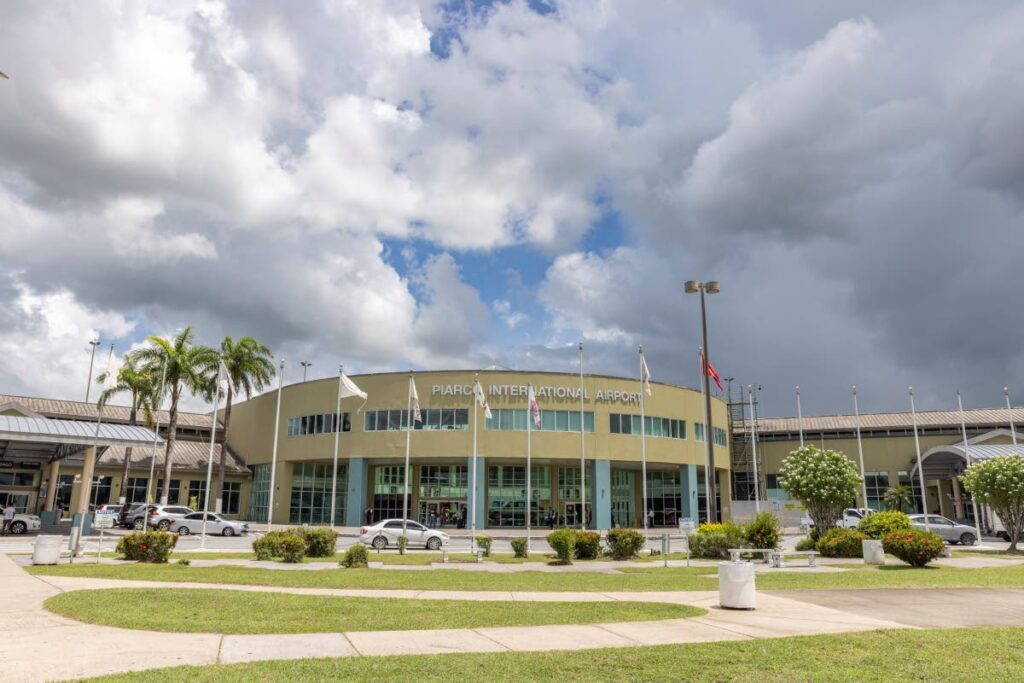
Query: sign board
[(103, 520), (686, 526), (776, 506)]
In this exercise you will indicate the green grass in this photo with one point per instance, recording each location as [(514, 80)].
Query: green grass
[(629, 579), (232, 611), (980, 654), (391, 557)]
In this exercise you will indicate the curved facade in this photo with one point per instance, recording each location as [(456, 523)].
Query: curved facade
[(372, 446)]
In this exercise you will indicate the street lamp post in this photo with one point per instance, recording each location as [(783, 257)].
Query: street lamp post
[(710, 287), (88, 385), (305, 366)]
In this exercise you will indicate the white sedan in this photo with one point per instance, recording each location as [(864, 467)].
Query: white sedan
[(23, 523), (215, 524), (386, 532)]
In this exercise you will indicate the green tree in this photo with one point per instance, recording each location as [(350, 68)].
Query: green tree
[(188, 368), (824, 480), (141, 389), (898, 497), (999, 483), (250, 369)]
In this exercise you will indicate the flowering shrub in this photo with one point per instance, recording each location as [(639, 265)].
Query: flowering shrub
[(763, 532), (563, 542), (805, 544), (320, 541), (519, 547), (824, 481), (624, 544), (878, 524), (292, 547), (268, 546), (915, 547), (356, 557), (713, 541), (841, 543), (147, 546), (588, 545), (999, 482), (484, 543)]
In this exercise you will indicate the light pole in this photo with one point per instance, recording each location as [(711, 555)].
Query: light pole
[(305, 366), (88, 385), (710, 287)]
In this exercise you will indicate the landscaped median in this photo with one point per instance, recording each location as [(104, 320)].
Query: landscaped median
[(234, 612)]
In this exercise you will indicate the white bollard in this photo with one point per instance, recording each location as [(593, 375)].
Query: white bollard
[(46, 550), (736, 588), (873, 553)]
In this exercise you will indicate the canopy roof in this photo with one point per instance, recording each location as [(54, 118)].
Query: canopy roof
[(950, 460), (42, 439)]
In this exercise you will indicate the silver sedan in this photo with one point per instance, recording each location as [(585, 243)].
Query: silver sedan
[(215, 524), (946, 528), (386, 532)]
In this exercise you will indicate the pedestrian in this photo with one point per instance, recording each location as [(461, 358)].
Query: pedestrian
[(551, 519), (650, 517), (8, 517), (462, 518), (369, 515)]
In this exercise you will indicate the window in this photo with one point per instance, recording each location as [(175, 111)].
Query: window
[(742, 485), (654, 426), (663, 496), (698, 431), (311, 493), (916, 507), (174, 495), (515, 419), (64, 486), (433, 419), (135, 490), (324, 423), (506, 491), (388, 499), (721, 439), (232, 493), (17, 478), (101, 490), (259, 497), (195, 515), (772, 490), (197, 490), (444, 481), (623, 506), (876, 483), (569, 483)]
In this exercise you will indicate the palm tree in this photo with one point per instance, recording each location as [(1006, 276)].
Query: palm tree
[(187, 367), (140, 386), (898, 497), (250, 369)]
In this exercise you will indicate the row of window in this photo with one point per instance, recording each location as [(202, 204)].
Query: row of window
[(432, 419), (515, 419), (135, 492), (318, 424), (652, 426)]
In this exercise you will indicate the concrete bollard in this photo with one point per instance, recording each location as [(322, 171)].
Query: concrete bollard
[(46, 550), (873, 553), (736, 589)]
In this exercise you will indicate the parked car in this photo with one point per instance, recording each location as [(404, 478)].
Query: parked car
[(110, 509), (129, 514), (192, 523), (386, 532), (999, 530), (851, 517), (23, 523), (160, 515), (946, 528)]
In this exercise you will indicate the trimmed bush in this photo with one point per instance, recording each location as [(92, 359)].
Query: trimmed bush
[(842, 543), (403, 543), (563, 542), (713, 541), (519, 548), (292, 548), (268, 546), (184, 562), (805, 544), (320, 541), (147, 546), (588, 545), (716, 528), (624, 544), (915, 547), (356, 557), (763, 532), (878, 524), (484, 543)]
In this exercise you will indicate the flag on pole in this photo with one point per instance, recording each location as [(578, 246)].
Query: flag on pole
[(645, 374), (110, 376), (415, 399), (534, 408), (712, 373), (223, 376), (478, 393), (348, 388)]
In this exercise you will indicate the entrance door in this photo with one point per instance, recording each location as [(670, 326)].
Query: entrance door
[(438, 514), (571, 513)]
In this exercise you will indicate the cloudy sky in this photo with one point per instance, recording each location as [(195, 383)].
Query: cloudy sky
[(427, 185)]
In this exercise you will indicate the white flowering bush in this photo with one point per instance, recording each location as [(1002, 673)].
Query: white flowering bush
[(999, 482), (824, 481)]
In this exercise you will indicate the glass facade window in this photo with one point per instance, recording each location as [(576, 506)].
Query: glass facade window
[(742, 485), (64, 485), (702, 498), (623, 504), (663, 496), (232, 494), (915, 491), (388, 482), (698, 431), (17, 478), (325, 423), (173, 495), (876, 483), (433, 419), (135, 489), (721, 438), (259, 498), (101, 490), (444, 481), (311, 493), (197, 494), (514, 419), (506, 495), (669, 428), (772, 490)]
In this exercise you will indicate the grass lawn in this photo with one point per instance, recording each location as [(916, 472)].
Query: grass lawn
[(630, 579), (226, 611), (981, 654), (392, 557)]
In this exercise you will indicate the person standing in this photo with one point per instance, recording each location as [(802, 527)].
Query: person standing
[(650, 518), (8, 517), (369, 516)]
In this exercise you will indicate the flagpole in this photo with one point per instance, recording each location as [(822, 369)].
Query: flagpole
[(529, 453), (156, 436), (337, 431), (472, 521), (920, 467), (967, 457), (583, 451), (753, 440), (707, 460), (799, 417), (95, 457), (860, 447), (209, 460), (273, 456), (1009, 411), (405, 489), (643, 440)]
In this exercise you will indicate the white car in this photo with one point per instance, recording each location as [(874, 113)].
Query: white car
[(192, 523), (851, 518), (386, 532), (23, 523)]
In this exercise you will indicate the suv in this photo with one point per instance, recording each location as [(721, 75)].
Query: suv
[(160, 516), (130, 514)]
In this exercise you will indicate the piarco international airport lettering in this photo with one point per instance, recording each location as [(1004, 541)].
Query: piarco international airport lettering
[(549, 392)]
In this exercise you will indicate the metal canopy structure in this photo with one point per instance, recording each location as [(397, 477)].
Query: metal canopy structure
[(946, 462), (39, 440)]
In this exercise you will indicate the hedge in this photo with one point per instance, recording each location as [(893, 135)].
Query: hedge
[(147, 546)]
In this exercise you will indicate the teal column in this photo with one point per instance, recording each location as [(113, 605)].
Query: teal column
[(355, 507), (600, 494), (481, 494), (688, 492)]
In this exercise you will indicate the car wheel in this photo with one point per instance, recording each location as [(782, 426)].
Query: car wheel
[(164, 525), (433, 543), (380, 542), (183, 531), (967, 538), (228, 531), (18, 528), (137, 525)]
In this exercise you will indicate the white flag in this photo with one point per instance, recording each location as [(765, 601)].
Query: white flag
[(645, 374), (478, 392), (348, 388), (223, 376), (110, 376), (534, 408), (415, 398)]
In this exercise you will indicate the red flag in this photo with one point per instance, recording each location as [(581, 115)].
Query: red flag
[(712, 373)]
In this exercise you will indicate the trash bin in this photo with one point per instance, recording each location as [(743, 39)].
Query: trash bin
[(873, 553), (46, 550), (736, 585)]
